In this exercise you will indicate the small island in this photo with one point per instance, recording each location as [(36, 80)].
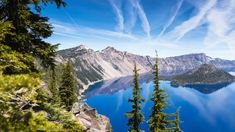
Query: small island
[(204, 74)]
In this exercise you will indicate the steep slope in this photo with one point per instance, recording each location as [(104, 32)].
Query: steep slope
[(109, 63), (205, 74)]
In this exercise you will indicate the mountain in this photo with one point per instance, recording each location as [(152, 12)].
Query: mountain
[(204, 74), (109, 63)]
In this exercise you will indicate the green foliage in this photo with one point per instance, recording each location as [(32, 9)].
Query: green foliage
[(39, 122), (45, 2), (53, 85), (177, 122), (28, 30), (24, 102), (20, 99), (135, 116), (68, 87), (59, 114), (5, 29), (12, 62), (159, 120)]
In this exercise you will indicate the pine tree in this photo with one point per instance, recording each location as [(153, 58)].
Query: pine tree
[(177, 122), (159, 120), (68, 88), (135, 116), (11, 61), (24, 102), (53, 85), (30, 30)]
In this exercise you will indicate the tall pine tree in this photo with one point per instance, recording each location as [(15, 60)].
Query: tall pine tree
[(68, 88), (30, 30), (53, 85), (135, 116), (159, 120), (177, 122)]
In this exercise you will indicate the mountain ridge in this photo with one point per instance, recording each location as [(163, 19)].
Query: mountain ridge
[(92, 66)]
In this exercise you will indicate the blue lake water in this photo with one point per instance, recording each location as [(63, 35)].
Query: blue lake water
[(203, 108)]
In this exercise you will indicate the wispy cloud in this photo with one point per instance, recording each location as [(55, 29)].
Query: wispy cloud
[(143, 18), (132, 15), (187, 26), (141, 13), (220, 26), (172, 18), (67, 29), (136, 9), (118, 13)]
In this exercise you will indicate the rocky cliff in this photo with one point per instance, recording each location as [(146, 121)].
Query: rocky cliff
[(90, 119), (109, 63)]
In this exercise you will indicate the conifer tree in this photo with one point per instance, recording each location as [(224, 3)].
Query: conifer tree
[(53, 85), (68, 88), (30, 30), (24, 102), (177, 122), (159, 119), (135, 116)]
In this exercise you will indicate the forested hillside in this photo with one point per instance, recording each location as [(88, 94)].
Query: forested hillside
[(26, 102)]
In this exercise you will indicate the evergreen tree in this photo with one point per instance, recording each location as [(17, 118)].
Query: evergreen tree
[(177, 122), (53, 85), (159, 119), (24, 102), (135, 116), (68, 88), (30, 30), (12, 61)]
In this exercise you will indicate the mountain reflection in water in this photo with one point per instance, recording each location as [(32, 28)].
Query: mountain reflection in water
[(112, 86), (202, 110)]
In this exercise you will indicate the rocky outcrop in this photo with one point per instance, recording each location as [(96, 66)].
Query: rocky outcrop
[(109, 63), (90, 119), (204, 74)]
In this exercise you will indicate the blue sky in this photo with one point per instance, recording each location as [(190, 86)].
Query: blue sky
[(173, 27)]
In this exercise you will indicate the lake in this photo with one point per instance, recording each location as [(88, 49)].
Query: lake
[(204, 108)]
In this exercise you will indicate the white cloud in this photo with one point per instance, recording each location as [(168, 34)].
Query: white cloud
[(187, 26), (119, 14), (132, 15), (141, 13), (67, 29), (172, 18), (71, 34), (220, 26)]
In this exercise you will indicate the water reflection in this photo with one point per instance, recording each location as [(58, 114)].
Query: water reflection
[(216, 109), (208, 88), (115, 85), (199, 111)]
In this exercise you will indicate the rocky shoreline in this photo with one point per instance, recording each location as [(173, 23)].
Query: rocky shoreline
[(90, 119), (88, 116)]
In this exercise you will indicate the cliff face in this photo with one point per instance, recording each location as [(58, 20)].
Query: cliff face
[(90, 119), (205, 74), (110, 63)]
